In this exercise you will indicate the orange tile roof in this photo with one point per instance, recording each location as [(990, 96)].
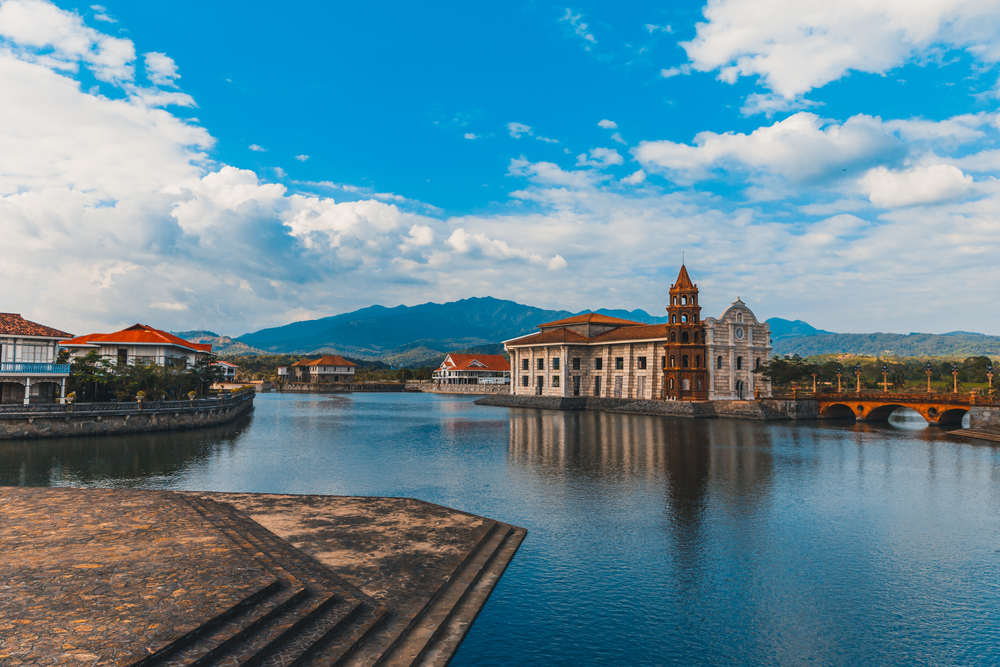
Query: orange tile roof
[(13, 324), (594, 318), (683, 280), (138, 334), (325, 361), (550, 336), (463, 362), (642, 332)]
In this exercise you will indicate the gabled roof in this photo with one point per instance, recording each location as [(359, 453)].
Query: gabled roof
[(588, 318), (475, 362), (683, 280), (137, 334), (325, 361), (644, 332), (222, 362), (13, 324), (550, 336)]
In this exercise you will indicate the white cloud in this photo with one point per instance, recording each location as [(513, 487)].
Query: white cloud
[(675, 71), (547, 140), (470, 135), (557, 263), (770, 104), (600, 158), (550, 174), (919, 185), (608, 124), (257, 149), (795, 46), (634, 178), (579, 27), (651, 28), (517, 129), (160, 305), (618, 137), (161, 70), (301, 158)]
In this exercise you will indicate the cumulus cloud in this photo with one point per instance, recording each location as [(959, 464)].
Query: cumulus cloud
[(161, 70), (470, 135), (600, 158), (608, 124), (635, 178), (669, 72), (579, 27), (919, 185), (794, 46), (618, 137), (517, 129), (301, 158), (256, 148)]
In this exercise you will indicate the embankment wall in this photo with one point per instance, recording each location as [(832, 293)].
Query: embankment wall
[(695, 410), (985, 416), (54, 421), (467, 389)]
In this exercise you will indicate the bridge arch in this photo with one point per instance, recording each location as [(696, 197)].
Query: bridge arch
[(952, 416), (838, 411)]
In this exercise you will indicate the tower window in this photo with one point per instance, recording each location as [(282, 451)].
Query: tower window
[(670, 383), (673, 319), (696, 336), (685, 362), (684, 301), (673, 301), (718, 362), (663, 362), (697, 361), (673, 336), (684, 337), (673, 361), (684, 317)]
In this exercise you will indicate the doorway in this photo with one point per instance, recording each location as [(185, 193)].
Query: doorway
[(740, 390)]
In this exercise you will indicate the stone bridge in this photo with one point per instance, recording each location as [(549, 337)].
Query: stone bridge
[(937, 409)]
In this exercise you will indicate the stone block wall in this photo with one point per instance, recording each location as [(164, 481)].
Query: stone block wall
[(985, 416)]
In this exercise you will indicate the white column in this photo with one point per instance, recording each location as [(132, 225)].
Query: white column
[(62, 392), (562, 369), (27, 391)]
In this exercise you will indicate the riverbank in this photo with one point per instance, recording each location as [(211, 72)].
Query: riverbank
[(55, 421), (768, 410), (464, 389)]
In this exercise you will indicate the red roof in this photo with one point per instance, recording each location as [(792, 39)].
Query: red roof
[(683, 280), (550, 336), (140, 334), (222, 362), (13, 324), (592, 318), (325, 361), (644, 332), (468, 362)]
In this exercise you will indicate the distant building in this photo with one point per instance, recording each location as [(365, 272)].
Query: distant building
[(228, 370), (28, 369), (326, 369), (140, 344), (473, 369), (687, 359)]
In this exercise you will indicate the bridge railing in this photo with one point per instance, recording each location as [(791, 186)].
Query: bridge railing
[(895, 397)]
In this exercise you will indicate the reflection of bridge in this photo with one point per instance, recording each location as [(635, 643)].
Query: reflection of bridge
[(935, 408)]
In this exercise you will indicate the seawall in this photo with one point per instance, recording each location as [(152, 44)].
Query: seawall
[(763, 410), (55, 421), (466, 389), (337, 387), (985, 417)]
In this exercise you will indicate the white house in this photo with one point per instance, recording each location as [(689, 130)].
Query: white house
[(228, 370), (28, 369), (326, 369), (140, 344), (473, 369)]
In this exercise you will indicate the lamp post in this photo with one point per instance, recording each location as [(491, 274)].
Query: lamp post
[(929, 371), (885, 378), (954, 374), (840, 371), (857, 374), (989, 374), (814, 383)]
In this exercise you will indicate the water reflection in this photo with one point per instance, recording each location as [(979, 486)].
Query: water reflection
[(135, 460)]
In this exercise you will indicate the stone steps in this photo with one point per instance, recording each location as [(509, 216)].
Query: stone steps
[(978, 434)]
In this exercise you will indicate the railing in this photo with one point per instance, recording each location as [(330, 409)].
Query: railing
[(887, 397), (131, 406), (31, 368)]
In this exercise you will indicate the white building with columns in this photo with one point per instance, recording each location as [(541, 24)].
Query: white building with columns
[(28, 369), (737, 345)]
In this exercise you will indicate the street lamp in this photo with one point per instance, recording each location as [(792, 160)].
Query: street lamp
[(929, 371), (814, 383), (954, 374), (857, 373), (840, 371), (989, 374), (885, 378)]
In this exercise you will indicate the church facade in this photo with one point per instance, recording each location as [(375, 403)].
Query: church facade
[(686, 359)]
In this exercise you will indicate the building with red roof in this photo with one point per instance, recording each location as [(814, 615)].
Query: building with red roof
[(329, 368), (686, 358), (473, 369), (140, 343), (28, 369)]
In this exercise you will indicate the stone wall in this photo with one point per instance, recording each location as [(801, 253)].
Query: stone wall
[(800, 409), (337, 387), (693, 410), (468, 389), (985, 416), (85, 419)]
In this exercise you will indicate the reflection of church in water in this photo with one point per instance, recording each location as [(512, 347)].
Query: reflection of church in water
[(686, 359)]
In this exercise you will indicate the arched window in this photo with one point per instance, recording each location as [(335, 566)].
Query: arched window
[(684, 337), (686, 384), (673, 336), (684, 301), (696, 336), (685, 362), (739, 317), (670, 383), (684, 317), (697, 362), (673, 301), (673, 361), (739, 363), (673, 319), (718, 362), (758, 362), (695, 316), (699, 384)]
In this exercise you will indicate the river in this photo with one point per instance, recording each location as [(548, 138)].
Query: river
[(652, 540)]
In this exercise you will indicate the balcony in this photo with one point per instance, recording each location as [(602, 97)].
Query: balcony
[(29, 368)]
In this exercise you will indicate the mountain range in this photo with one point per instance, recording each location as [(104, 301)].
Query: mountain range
[(423, 334)]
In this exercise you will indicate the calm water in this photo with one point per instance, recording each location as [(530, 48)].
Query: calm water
[(652, 541)]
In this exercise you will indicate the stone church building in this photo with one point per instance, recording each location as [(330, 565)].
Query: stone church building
[(686, 359)]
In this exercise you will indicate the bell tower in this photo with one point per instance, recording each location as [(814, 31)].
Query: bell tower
[(685, 376)]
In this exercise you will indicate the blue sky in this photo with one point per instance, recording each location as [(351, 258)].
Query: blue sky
[(233, 166)]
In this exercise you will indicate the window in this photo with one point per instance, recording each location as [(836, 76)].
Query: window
[(684, 301), (576, 363), (524, 364), (663, 362), (619, 363), (673, 361), (524, 380), (641, 363), (673, 301), (718, 362), (695, 318), (673, 319), (684, 337), (541, 364), (555, 364), (673, 336), (599, 364), (555, 380), (739, 363), (670, 383), (697, 361), (685, 362), (757, 363), (34, 353), (684, 317), (597, 386), (123, 355), (739, 317)]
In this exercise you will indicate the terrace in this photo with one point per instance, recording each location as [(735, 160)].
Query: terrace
[(33, 368)]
